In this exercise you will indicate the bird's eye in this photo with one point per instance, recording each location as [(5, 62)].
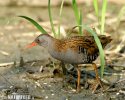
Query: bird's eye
[(37, 40)]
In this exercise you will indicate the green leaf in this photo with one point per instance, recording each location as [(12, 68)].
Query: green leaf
[(78, 15), (103, 15), (76, 11), (80, 23), (101, 52), (95, 3), (101, 19), (99, 47), (60, 16), (50, 17), (40, 28)]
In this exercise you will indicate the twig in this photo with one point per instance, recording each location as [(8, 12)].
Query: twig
[(115, 74), (109, 90), (4, 53), (6, 80), (6, 64), (116, 65), (36, 77)]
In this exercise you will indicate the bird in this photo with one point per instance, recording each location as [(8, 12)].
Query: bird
[(74, 50)]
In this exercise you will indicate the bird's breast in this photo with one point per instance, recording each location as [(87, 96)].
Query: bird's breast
[(65, 56), (72, 57)]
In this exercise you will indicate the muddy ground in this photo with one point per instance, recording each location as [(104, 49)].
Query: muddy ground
[(32, 71)]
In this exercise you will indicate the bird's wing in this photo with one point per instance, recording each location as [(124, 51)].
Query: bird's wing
[(83, 44)]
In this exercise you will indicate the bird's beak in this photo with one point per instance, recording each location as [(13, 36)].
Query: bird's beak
[(31, 45)]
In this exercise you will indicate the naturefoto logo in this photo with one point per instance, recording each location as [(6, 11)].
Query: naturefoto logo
[(17, 96)]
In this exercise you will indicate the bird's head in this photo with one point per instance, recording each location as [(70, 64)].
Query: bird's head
[(42, 40)]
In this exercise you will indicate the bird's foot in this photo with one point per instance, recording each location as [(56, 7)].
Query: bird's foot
[(78, 90), (98, 83), (97, 79)]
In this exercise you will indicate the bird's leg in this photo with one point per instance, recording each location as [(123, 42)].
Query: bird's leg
[(65, 72), (97, 78), (64, 68), (78, 77)]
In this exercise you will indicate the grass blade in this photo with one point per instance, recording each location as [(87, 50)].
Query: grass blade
[(96, 7), (60, 16), (99, 47), (78, 15), (95, 3), (76, 11), (103, 15), (101, 52), (80, 23), (50, 17), (40, 28)]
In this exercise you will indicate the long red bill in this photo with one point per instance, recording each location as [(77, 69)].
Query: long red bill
[(31, 45)]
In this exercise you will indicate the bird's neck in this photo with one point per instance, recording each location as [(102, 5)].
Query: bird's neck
[(51, 43), (53, 46)]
